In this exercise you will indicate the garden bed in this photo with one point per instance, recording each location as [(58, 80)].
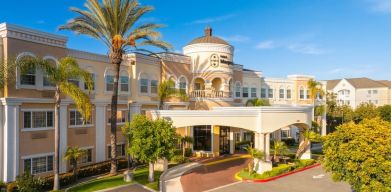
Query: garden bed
[(277, 172)]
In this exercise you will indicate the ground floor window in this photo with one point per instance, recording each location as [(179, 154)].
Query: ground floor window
[(86, 157), (202, 137), (120, 150), (285, 133), (38, 165), (248, 136)]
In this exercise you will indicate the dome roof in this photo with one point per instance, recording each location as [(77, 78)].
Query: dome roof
[(208, 38)]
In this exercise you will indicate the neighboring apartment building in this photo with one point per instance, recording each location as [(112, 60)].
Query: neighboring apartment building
[(354, 91), (205, 71)]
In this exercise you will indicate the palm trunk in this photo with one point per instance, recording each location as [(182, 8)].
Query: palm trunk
[(56, 165), (116, 59), (183, 150), (150, 173), (75, 169)]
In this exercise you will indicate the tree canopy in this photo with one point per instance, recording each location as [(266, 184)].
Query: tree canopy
[(360, 154), (385, 112)]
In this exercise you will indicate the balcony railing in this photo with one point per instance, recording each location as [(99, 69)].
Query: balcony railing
[(210, 94)]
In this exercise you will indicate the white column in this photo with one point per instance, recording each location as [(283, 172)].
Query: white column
[(100, 135), (134, 108), (267, 146), (63, 136), (231, 142), (11, 142), (241, 135), (324, 124), (1, 136), (257, 140)]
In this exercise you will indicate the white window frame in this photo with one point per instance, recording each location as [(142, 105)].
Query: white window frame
[(90, 124), (253, 90), (243, 92), (156, 87), (31, 120), (238, 86), (36, 156)]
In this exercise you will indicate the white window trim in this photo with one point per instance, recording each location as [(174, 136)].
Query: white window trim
[(37, 129), (157, 87), (37, 155), (32, 129), (78, 126), (148, 88)]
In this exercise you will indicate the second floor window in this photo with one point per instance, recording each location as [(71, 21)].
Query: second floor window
[(270, 93), (38, 119), (281, 95), (47, 82), (154, 86), (245, 92), (74, 81), (237, 90), (76, 119), (28, 78), (144, 85), (288, 94), (109, 83), (302, 94), (124, 84), (253, 92), (263, 93), (93, 82)]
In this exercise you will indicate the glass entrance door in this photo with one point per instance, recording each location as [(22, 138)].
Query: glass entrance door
[(224, 140)]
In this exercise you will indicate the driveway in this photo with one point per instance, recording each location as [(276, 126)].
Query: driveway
[(314, 180)]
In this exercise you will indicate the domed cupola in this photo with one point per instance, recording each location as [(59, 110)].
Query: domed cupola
[(208, 38)]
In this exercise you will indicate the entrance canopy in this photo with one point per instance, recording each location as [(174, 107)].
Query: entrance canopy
[(265, 119)]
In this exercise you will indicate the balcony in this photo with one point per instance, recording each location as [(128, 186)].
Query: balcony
[(210, 94)]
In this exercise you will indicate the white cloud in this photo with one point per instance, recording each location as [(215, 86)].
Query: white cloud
[(269, 44), (354, 71), (237, 38), (383, 6), (306, 49), (212, 19)]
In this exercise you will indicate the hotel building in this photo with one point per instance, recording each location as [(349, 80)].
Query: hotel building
[(216, 87)]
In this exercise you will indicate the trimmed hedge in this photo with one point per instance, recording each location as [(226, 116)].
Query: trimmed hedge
[(289, 141)]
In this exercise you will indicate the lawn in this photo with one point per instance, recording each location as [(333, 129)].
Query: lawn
[(140, 176)]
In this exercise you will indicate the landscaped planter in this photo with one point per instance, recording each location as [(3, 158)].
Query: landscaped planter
[(282, 169)]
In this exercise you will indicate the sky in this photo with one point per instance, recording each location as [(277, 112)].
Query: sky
[(329, 39)]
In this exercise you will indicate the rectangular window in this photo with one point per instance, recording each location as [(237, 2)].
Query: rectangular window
[(282, 95), (182, 87), (154, 86), (270, 92), (74, 81), (28, 78), (245, 92), (202, 137), (307, 95), (86, 157), (253, 92), (109, 83), (285, 133), (369, 91), (76, 119), (122, 116), (263, 93), (93, 82), (374, 91), (124, 81), (121, 150), (38, 164), (38, 119), (288, 94), (144, 85)]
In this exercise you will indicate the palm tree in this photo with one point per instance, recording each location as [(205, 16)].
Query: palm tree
[(114, 23), (73, 155), (255, 154), (257, 102), (167, 89), (280, 148), (7, 72), (307, 137), (59, 76), (185, 140)]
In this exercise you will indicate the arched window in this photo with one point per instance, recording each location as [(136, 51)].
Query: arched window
[(154, 85), (143, 82), (124, 81), (183, 84), (28, 77), (93, 78), (281, 93), (288, 93), (109, 80), (238, 89), (302, 93), (46, 81)]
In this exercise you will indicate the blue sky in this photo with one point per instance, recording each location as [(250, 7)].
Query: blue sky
[(326, 38)]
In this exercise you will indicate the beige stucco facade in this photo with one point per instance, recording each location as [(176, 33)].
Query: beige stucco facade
[(206, 71)]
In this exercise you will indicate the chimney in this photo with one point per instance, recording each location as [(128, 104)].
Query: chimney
[(208, 31)]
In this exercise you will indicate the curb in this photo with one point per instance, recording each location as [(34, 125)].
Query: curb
[(275, 177)]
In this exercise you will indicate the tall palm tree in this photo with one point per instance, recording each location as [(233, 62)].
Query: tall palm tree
[(7, 72), (307, 136), (257, 102), (315, 89), (59, 76), (73, 155), (114, 23)]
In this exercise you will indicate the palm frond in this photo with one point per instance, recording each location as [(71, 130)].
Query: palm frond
[(81, 99)]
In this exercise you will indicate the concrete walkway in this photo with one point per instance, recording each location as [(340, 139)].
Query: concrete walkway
[(171, 179)]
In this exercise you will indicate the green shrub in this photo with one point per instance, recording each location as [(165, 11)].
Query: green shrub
[(11, 187), (303, 163), (2, 185), (289, 141), (179, 159), (27, 183), (188, 152)]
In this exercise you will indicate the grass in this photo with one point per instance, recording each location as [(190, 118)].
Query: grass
[(140, 175), (280, 169)]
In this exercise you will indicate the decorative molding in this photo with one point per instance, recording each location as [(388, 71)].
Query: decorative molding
[(26, 34), (208, 47), (179, 58), (88, 56)]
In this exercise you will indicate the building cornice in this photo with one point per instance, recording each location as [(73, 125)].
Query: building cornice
[(208, 47), (88, 56), (22, 33)]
